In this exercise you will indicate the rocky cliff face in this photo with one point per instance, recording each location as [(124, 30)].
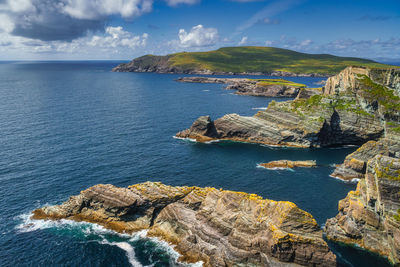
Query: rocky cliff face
[(342, 118), (253, 87), (218, 227), (370, 216)]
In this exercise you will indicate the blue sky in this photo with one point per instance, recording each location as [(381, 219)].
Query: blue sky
[(124, 29)]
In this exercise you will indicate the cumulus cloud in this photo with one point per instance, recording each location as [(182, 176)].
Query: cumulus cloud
[(198, 36), (243, 41), (50, 20), (116, 37), (86, 9), (114, 41)]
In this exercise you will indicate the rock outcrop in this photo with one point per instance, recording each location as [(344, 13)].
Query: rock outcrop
[(353, 109), (218, 227), (289, 164), (253, 87), (370, 216)]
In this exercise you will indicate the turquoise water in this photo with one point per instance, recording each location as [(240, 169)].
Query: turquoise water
[(66, 126)]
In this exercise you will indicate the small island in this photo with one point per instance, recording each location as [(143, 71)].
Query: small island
[(288, 164)]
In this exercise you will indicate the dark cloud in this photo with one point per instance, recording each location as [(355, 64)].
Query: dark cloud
[(47, 22)]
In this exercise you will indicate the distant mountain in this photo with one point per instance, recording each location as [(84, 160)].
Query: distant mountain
[(246, 60)]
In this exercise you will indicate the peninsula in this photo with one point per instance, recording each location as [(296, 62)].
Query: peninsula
[(246, 60)]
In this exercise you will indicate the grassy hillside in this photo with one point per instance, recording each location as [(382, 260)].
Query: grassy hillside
[(265, 59), (248, 59)]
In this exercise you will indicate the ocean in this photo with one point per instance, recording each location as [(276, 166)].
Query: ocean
[(66, 126)]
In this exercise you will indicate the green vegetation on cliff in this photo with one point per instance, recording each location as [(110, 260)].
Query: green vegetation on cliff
[(251, 59)]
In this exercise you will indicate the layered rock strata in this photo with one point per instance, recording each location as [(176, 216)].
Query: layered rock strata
[(218, 227), (289, 164), (370, 216), (253, 87), (353, 109)]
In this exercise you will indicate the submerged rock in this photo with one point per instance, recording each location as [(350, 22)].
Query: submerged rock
[(370, 216), (218, 227), (289, 164), (253, 87)]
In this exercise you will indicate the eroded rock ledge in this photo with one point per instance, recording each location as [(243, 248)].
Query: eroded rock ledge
[(253, 87), (218, 227), (370, 216), (289, 164)]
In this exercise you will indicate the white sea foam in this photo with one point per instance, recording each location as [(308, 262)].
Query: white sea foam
[(206, 90), (185, 139), (129, 250), (352, 181), (275, 168), (29, 225), (261, 108)]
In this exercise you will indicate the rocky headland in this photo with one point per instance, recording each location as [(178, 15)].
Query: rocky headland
[(289, 164), (215, 226), (346, 113), (359, 106), (253, 87)]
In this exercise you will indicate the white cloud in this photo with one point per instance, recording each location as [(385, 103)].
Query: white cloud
[(177, 2), (6, 24), (198, 36), (94, 9), (243, 41), (20, 5), (116, 37)]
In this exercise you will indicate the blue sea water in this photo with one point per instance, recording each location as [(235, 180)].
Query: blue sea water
[(65, 126)]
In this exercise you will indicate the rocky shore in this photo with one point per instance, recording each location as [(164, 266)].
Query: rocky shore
[(215, 226), (370, 216), (289, 164), (359, 106), (253, 87)]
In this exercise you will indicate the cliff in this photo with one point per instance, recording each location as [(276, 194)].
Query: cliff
[(246, 60), (218, 227), (370, 216), (353, 109), (253, 87)]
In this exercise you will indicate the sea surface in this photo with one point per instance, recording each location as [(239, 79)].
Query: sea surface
[(65, 126)]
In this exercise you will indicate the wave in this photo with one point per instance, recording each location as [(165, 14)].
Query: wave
[(206, 90), (185, 139), (90, 230), (352, 181), (195, 141), (275, 168), (261, 108)]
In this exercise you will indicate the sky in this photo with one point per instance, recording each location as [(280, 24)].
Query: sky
[(125, 29)]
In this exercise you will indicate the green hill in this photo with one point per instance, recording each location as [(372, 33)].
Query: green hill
[(244, 60)]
